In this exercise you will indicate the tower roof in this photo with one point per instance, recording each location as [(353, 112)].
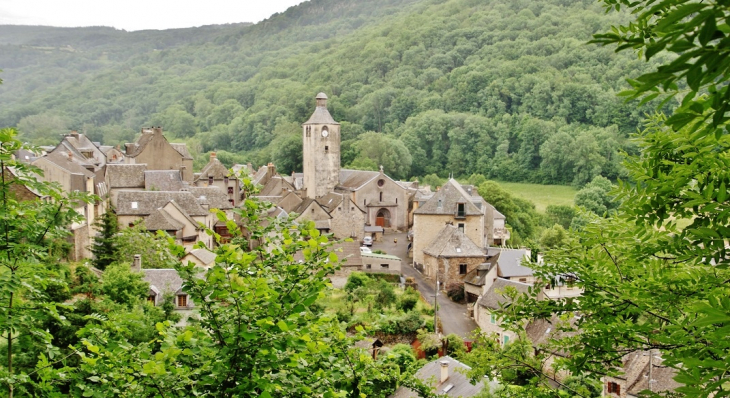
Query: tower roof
[(321, 96), (321, 115)]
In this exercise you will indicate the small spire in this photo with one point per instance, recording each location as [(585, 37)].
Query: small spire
[(322, 100)]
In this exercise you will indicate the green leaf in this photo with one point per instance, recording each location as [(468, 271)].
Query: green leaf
[(283, 326)]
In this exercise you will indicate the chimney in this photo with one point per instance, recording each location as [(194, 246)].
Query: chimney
[(272, 169), (212, 155), (137, 263), (70, 156), (74, 133), (444, 371)]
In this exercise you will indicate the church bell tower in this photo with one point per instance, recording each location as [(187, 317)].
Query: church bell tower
[(321, 135)]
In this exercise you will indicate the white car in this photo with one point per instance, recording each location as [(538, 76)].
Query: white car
[(367, 241), (365, 250)]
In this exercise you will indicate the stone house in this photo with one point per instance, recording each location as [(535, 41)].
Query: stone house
[(641, 370), (450, 205), (163, 180), (73, 177), (485, 310), (182, 212), (478, 281), (215, 174), (451, 256), (347, 217), (80, 149), (124, 177), (510, 263), (447, 376), (311, 210), (200, 257), (385, 263), (166, 282), (153, 149)]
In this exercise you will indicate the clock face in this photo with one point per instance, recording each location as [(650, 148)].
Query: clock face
[(325, 133)]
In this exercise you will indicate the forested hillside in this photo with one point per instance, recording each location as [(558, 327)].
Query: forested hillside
[(508, 89)]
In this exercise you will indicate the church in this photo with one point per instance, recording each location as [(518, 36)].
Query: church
[(386, 203)]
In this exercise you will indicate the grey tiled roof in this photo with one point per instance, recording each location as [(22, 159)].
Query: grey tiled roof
[(214, 169), (72, 167), (510, 263), (349, 252), (321, 116), (125, 175), (182, 149), (477, 276), (161, 220), (431, 372), (494, 296), (217, 198), (164, 280), (449, 196), (354, 179), (451, 242), (204, 255), (275, 186), (331, 200), (162, 180), (149, 201)]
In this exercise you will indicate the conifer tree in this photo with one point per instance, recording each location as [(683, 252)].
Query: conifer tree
[(104, 247)]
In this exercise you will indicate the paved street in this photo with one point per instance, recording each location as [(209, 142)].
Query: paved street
[(453, 315)]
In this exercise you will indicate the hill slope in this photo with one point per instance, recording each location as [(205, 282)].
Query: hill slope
[(508, 89)]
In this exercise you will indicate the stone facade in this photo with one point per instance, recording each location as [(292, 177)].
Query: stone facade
[(384, 263), (321, 160), (385, 201), (426, 228), (447, 270), (347, 220), (153, 149)]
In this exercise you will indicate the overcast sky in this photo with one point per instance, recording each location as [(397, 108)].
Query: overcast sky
[(138, 14)]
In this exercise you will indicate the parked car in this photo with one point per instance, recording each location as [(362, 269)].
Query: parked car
[(365, 250), (367, 241)]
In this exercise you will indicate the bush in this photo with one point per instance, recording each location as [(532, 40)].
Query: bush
[(356, 280), (455, 291), (402, 355), (455, 346), (408, 300), (404, 324), (385, 296), (343, 315)]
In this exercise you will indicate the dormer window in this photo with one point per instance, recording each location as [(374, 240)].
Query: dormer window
[(210, 180), (461, 209)]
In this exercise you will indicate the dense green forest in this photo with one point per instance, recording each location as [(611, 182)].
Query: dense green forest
[(503, 88)]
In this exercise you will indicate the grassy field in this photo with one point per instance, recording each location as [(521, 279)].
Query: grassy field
[(542, 195)]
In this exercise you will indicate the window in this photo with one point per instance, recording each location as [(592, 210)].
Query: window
[(462, 269), (523, 280), (225, 180), (460, 210), (492, 318), (461, 227), (386, 266), (439, 204), (182, 300), (230, 190), (368, 266), (326, 148), (505, 339), (231, 201), (613, 388), (134, 205), (151, 299), (381, 196), (381, 182), (210, 180)]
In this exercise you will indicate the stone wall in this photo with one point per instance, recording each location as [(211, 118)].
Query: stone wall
[(447, 269), (427, 226)]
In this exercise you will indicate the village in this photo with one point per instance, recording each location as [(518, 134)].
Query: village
[(438, 238)]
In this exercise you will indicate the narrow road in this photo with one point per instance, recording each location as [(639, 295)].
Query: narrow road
[(453, 316)]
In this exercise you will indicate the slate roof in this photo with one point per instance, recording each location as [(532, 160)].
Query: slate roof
[(477, 276), (161, 220), (149, 201), (331, 200), (494, 296), (449, 196), (126, 175), (182, 149), (355, 179), (509, 262), (214, 169), (350, 253), (276, 186), (431, 372), (204, 255), (163, 180), (321, 115), (216, 197), (383, 256), (72, 167), (137, 147), (451, 242), (164, 280), (636, 370)]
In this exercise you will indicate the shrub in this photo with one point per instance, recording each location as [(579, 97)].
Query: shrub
[(402, 355), (385, 296), (455, 291), (343, 315), (408, 300), (356, 280), (455, 346)]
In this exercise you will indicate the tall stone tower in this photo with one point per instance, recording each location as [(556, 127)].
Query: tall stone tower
[(321, 149)]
